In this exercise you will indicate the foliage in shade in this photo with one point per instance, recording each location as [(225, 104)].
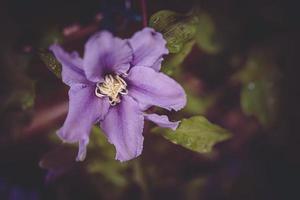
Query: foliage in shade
[(206, 37), (196, 134), (198, 105), (17, 89), (237, 62), (52, 35), (51, 62), (173, 62), (177, 29), (260, 89), (104, 165)]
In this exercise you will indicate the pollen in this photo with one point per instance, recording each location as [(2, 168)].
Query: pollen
[(113, 87)]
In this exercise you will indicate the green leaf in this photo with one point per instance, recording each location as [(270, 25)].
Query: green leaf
[(52, 35), (101, 160), (259, 98), (51, 62), (260, 88), (98, 140), (198, 105), (176, 28), (196, 134), (206, 33), (195, 187), (173, 62), (17, 90)]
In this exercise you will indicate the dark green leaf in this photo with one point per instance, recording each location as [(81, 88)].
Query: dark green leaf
[(176, 28), (51, 36), (206, 33), (101, 159), (196, 134), (259, 98), (51, 62), (173, 62), (260, 89), (198, 105)]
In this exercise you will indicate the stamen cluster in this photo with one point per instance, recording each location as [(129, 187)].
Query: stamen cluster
[(112, 87)]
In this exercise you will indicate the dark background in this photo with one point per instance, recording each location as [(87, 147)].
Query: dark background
[(256, 163)]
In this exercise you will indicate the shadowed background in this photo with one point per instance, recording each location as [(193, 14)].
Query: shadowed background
[(238, 65)]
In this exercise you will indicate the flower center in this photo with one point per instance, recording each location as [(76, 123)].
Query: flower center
[(112, 87)]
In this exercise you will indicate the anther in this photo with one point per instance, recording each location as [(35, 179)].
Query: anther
[(112, 87)]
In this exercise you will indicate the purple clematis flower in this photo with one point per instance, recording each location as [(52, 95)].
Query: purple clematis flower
[(114, 83)]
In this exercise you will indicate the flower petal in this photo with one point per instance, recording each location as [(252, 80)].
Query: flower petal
[(150, 88), (123, 125), (104, 54), (85, 109), (148, 48), (72, 72), (162, 121)]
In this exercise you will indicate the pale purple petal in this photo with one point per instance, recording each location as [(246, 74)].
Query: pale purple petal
[(148, 48), (123, 125), (72, 72), (162, 121), (105, 54), (85, 109), (82, 149), (150, 88)]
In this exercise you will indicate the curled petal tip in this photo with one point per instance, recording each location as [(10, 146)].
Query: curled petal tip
[(82, 149)]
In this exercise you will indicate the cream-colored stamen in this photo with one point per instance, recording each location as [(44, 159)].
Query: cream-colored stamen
[(112, 87)]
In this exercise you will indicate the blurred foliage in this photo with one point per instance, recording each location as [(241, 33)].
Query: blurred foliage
[(17, 89), (206, 37), (51, 62), (196, 134), (202, 37), (260, 88), (103, 162), (51, 36), (179, 29), (197, 105), (173, 62), (100, 158), (102, 169), (194, 188)]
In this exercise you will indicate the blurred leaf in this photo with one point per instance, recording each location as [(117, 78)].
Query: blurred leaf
[(98, 140), (196, 134), (51, 62), (51, 36), (206, 33), (140, 179), (194, 188), (17, 90), (254, 69), (172, 63), (102, 161), (258, 98), (176, 28), (198, 105), (260, 89), (27, 99), (111, 170)]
